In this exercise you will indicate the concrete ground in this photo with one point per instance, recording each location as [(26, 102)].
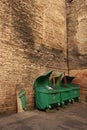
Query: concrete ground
[(73, 117)]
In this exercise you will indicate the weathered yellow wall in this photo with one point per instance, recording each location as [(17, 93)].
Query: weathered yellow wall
[(32, 41), (77, 42)]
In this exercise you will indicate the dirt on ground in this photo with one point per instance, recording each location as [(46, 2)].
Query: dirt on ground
[(72, 117)]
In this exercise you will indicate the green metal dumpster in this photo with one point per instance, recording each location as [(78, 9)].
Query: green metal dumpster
[(45, 96), (65, 95), (75, 88), (23, 99), (65, 91), (75, 91)]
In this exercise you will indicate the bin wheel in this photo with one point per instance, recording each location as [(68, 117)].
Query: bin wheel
[(51, 110), (78, 99), (62, 104), (47, 110), (72, 101)]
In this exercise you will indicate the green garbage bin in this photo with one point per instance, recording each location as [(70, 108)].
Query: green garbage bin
[(65, 95), (75, 88), (75, 91), (45, 96), (65, 91), (23, 99)]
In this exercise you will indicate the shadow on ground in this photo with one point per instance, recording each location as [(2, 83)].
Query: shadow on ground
[(73, 117)]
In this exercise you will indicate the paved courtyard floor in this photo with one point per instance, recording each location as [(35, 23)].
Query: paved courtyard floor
[(72, 117)]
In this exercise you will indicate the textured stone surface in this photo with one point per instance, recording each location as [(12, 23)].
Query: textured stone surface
[(81, 79), (77, 42), (77, 33), (32, 41)]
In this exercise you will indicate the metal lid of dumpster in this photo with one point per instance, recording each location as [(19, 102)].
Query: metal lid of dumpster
[(56, 80), (68, 79), (43, 80), (72, 85)]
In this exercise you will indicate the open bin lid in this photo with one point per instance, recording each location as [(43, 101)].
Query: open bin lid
[(42, 80), (68, 79), (55, 81), (57, 78)]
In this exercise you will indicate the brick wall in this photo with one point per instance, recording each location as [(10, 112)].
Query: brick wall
[(32, 41), (77, 42)]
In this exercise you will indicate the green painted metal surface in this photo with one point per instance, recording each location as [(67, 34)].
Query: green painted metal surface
[(75, 90), (43, 80), (65, 95), (23, 99), (45, 98), (45, 95), (48, 92)]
